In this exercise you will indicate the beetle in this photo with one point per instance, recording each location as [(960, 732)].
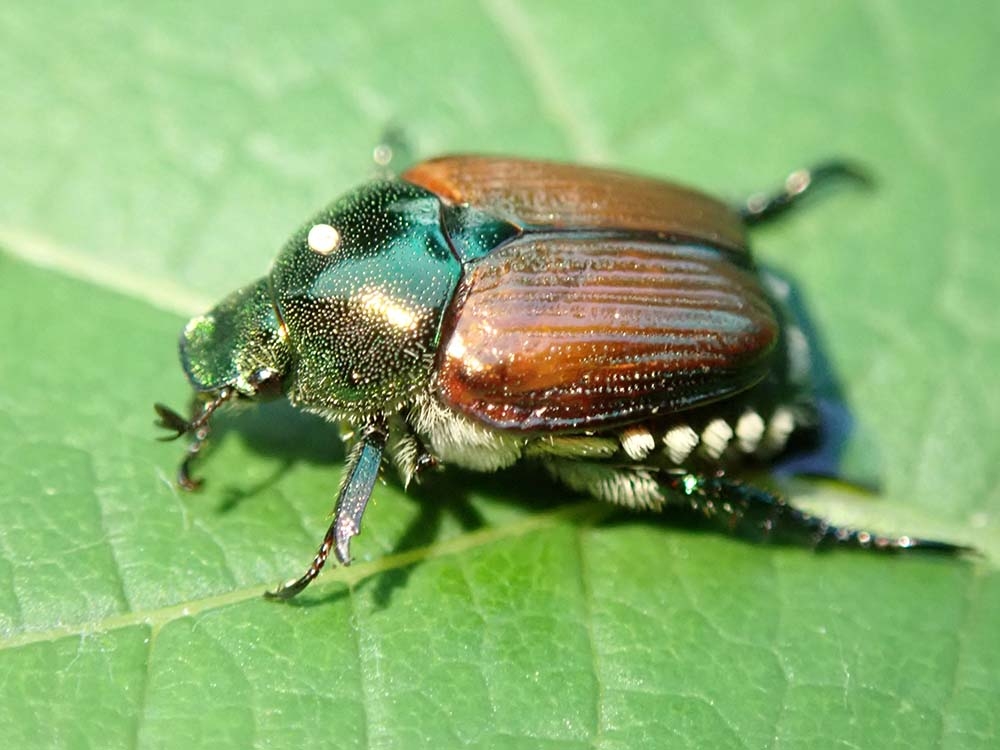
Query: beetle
[(480, 311)]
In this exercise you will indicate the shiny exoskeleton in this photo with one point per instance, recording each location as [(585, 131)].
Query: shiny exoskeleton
[(482, 311)]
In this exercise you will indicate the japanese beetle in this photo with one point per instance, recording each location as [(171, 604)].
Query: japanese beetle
[(481, 311)]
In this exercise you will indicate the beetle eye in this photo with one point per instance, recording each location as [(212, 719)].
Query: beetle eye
[(323, 239), (265, 382)]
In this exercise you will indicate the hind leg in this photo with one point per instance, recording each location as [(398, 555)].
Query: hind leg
[(751, 512), (740, 509)]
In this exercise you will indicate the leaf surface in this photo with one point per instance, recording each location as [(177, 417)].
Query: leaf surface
[(154, 158)]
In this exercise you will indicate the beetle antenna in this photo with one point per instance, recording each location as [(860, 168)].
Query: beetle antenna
[(197, 427), (760, 207)]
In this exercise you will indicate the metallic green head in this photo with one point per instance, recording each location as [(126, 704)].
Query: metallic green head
[(239, 344)]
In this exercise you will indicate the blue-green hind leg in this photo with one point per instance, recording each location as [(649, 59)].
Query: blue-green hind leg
[(362, 472), (750, 512)]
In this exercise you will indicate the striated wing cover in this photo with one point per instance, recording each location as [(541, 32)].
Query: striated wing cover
[(567, 331), (549, 195)]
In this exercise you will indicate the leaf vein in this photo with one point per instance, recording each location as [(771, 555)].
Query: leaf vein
[(550, 90)]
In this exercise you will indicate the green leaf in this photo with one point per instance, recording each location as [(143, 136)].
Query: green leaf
[(154, 158)]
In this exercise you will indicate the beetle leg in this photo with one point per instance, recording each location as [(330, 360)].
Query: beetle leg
[(197, 427), (412, 459), (423, 460), (745, 510), (409, 452), (426, 461), (362, 470), (392, 154), (763, 206)]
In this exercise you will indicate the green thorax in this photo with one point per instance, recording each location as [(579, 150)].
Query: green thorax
[(363, 320)]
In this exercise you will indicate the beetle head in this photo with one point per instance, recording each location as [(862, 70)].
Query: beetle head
[(237, 349), (239, 345)]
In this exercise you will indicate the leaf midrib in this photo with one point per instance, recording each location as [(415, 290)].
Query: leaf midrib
[(583, 513)]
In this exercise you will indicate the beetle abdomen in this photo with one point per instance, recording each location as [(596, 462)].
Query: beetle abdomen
[(564, 332)]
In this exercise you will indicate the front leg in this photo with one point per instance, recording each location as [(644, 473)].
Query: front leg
[(363, 465)]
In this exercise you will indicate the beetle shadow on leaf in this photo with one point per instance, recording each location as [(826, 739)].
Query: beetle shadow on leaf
[(830, 455), (276, 430), (455, 495), (439, 496)]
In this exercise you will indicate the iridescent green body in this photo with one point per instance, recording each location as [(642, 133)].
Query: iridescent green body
[(479, 311), (355, 332), (364, 321)]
